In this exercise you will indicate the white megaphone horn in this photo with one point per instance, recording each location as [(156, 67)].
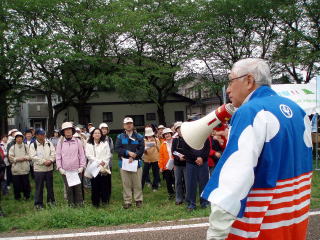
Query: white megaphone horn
[(195, 133)]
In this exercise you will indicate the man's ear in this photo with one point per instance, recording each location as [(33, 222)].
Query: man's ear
[(251, 83)]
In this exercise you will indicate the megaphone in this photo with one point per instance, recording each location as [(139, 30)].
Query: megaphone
[(195, 133)]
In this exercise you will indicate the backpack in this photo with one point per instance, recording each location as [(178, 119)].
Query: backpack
[(35, 145)]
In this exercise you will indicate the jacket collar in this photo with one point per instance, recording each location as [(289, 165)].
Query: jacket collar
[(263, 91)]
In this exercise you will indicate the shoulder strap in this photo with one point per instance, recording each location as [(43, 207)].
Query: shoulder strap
[(35, 145)]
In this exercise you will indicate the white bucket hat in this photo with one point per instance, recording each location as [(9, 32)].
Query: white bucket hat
[(161, 127), (177, 125), (67, 125), (128, 120), (103, 125), (167, 130), (12, 131), (148, 132), (91, 129)]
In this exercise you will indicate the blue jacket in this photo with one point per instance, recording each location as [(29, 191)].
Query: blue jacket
[(269, 143), (124, 144)]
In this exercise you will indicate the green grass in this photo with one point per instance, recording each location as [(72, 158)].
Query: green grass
[(21, 215)]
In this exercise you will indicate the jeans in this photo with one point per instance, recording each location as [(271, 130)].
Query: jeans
[(180, 175), (155, 171), (196, 176)]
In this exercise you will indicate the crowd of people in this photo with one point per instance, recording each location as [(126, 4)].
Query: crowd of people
[(72, 149)]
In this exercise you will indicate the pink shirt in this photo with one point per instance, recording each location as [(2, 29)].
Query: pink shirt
[(70, 154)]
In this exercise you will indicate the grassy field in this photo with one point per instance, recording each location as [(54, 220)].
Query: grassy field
[(21, 215)]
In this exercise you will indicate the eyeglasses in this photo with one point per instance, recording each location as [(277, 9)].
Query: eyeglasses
[(232, 79)]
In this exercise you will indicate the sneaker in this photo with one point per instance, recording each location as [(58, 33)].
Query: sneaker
[(138, 204), (154, 190), (126, 205)]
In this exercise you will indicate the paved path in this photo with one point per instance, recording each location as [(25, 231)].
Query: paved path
[(192, 229)]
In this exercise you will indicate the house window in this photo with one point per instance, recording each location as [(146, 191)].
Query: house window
[(107, 117), (138, 120), (179, 116), (151, 116)]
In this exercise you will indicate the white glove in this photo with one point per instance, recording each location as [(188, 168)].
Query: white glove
[(62, 171), (80, 170)]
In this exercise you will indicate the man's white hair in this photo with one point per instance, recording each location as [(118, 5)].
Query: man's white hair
[(257, 67)]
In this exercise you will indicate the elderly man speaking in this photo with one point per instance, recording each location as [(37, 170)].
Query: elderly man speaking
[(260, 188)]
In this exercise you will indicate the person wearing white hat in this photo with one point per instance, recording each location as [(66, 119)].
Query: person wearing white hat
[(165, 159), (160, 135), (70, 157), (130, 146), (151, 158), (20, 159), (180, 173), (105, 138)]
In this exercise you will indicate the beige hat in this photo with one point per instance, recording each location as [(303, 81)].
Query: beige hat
[(103, 125), (148, 132), (65, 126), (128, 120), (177, 125), (167, 130), (161, 127)]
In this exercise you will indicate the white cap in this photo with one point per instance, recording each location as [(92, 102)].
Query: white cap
[(78, 129), (167, 130), (91, 129), (161, 126), (18, 134), (12, 131), (103, 125), (148, 132), (128, 120), (176, 125)]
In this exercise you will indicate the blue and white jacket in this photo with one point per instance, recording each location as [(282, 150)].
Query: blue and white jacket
[(125, 144), (264, 174)]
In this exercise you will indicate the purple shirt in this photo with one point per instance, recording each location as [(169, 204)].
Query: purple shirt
[(70, 155)]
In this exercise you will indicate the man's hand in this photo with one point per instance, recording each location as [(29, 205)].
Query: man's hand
[(132, 154), (102, 164), (80, 170), (182, 158), (199, 161), (218, 155), (47, 163)]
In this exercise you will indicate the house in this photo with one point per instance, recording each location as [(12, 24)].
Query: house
[(108, 107), (202, 94), (33, 112)]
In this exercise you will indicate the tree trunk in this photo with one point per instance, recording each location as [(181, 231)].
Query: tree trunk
[(50, 119), (161, 116)]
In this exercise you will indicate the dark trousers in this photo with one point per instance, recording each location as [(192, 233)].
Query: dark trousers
[(40, 178), (109, 185), (155, 171), (168, 175), (99, 191), (21, 183), (9, 175), (74, 193), (196, 176)]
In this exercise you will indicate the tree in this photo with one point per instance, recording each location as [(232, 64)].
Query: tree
[(160, 42)]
